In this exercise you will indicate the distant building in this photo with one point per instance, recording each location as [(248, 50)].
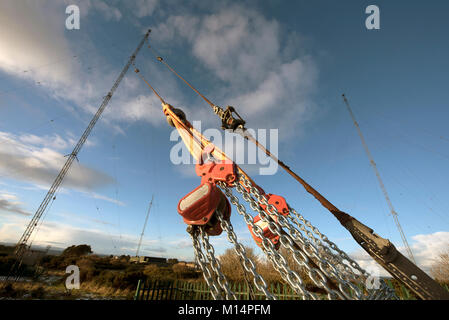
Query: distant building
[(191, 265), (145, 259)]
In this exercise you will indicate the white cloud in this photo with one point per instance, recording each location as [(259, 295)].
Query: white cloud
[(33, 27), (425, 247), (54, 142), (182, 243), (9, 202), (7, 196), (40, 165), (110, 13), (237, 41), (72, 71), (270, 87), (38, 28), (64, 235), (141, 107), (105, 198), (105, 8), (144, 8)]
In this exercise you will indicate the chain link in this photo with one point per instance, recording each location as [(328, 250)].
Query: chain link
[(300, 255), (330, 266), (215, 265), (277, 260), (204, 266), (345, 262), (326, 265), (247, 263)]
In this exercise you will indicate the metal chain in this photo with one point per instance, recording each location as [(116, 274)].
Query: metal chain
[(302, 223), (202, 262), (302, 256), (349, 266), (331, 265), (215, 265), (247, 263), (278, 261), (327, 270), (311, 248)]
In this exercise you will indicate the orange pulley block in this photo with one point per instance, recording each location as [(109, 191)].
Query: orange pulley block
[(212, 170), (200, 205), (281, 205)]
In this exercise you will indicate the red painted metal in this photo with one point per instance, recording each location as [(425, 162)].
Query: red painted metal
[(281, 205), (214, 170), (199, 206)]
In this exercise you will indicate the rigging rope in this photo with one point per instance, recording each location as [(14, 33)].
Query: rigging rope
[(160, 59)]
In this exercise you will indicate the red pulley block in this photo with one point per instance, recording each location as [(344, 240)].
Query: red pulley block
[(199, 206), (266, 232), (278, 202), (281, 205), (215, 170)]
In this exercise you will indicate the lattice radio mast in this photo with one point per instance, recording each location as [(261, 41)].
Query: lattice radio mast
[(382, 186), (144, 226), (22, 245)]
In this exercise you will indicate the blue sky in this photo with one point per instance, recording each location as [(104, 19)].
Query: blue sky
[(283, 65)]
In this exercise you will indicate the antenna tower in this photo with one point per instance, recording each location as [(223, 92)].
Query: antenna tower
[(144, 226), (22, 246), (382, 186)]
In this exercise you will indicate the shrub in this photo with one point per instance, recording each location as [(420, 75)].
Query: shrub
[(77, 251), (54, 262), (233, 269), (151, 271), (231, 265), (181, 271), (37, 293), (7, 290), (6, 264)]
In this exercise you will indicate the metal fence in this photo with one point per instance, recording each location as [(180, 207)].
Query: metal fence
[(187, 290)]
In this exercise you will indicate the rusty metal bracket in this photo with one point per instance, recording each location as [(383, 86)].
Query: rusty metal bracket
[(228, 121)]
